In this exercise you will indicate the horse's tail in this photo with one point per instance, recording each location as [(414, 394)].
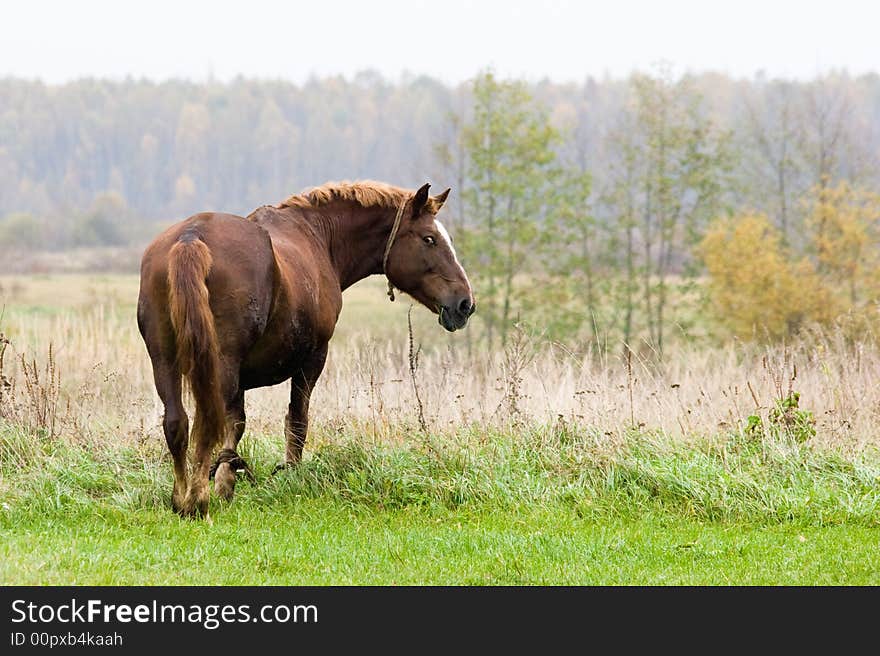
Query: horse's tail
[(198, 350)]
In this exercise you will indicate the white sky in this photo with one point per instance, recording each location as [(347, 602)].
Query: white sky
[(448, 39)]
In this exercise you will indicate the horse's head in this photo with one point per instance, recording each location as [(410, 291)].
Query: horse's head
[(422, 262)]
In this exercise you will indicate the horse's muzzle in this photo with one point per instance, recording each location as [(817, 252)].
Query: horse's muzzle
[(455, 316)]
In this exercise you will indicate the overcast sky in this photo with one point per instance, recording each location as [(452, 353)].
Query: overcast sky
[(448, 39)]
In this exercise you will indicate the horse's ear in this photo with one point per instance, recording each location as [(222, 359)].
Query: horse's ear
[(419, 200), (438, 200)]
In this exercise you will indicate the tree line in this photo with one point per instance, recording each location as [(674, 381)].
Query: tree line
[(687, 228)]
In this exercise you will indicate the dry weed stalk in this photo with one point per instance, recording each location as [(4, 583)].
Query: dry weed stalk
[(414, 354), (34, 400), (518, 355)]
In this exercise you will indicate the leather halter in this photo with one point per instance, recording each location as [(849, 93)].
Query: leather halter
[(390, 243)]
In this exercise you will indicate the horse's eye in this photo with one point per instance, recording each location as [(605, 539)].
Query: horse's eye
[(429, 240)]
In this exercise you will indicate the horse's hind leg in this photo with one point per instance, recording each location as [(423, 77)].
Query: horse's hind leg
[(197, 496), (228, 461), (175, 425), (206, 435)]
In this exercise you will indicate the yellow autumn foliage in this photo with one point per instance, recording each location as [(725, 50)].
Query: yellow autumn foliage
[(756, 288), (844, 225)]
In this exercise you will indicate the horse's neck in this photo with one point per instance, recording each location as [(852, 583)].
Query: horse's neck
[(356, 239)]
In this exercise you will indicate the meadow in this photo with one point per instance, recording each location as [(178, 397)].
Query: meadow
[(430, 461)]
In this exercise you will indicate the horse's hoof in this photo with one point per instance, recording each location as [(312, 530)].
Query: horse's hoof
[(235, 463), (283, 466), (224, 481), (190, 513), (195, 507)]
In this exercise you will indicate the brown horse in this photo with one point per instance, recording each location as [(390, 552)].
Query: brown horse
[(233, 303)]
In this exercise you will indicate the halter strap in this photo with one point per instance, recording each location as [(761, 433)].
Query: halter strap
[(390, 243)]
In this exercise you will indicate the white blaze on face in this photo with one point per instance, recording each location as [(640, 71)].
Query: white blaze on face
[(445, 235)]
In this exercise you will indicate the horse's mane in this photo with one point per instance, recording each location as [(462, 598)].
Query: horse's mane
[(367, 193)]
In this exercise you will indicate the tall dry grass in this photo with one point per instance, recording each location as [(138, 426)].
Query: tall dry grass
[(80, 371)]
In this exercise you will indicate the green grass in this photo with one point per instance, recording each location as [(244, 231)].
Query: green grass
[(536, 506), (316, 541)]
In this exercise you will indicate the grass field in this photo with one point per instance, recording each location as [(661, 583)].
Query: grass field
[(540, 465), (318, 543)]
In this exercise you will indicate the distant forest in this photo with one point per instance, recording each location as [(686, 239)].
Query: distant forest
[(150, 151)]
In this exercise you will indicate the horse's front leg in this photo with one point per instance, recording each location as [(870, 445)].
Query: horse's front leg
[(296, 423)]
